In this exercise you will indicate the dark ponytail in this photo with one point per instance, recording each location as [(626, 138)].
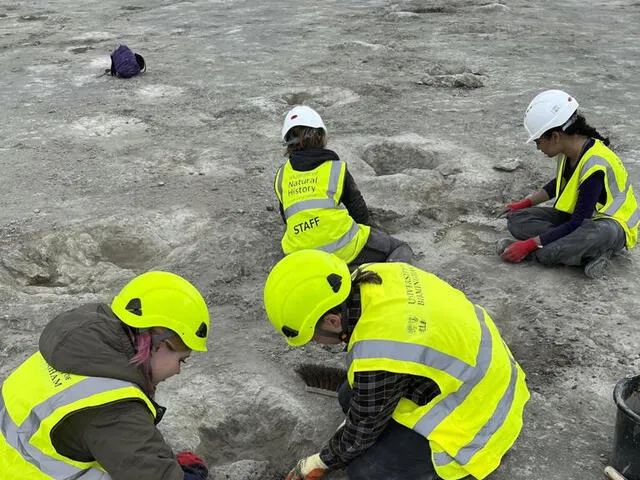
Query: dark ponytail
[(581, 127), (366, 276), (361, 276)]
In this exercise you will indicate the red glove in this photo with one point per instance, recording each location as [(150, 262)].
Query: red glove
[(192, 463), (512, 207), (518, 250)]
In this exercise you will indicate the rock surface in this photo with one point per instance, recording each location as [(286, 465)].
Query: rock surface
[(104, 178)]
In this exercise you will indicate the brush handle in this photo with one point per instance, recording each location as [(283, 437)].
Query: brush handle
[(321, 391), (613, 474)]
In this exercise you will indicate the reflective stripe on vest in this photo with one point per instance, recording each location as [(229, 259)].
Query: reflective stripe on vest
[(470, 376), (621, 204), (619, 196), (329, 202), (635, 218), (19, 436), (498, 417), (334, 230), (342, 241)]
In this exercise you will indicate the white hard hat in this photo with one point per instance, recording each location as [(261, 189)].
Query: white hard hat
[(549, 109), (301, 115)]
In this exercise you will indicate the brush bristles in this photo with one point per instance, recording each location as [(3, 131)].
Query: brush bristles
[(322, 377)]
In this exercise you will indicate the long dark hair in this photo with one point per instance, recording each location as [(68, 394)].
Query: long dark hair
[(580, 127)]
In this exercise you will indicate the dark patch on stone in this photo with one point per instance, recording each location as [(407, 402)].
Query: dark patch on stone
[(390, 158), (79, 50)]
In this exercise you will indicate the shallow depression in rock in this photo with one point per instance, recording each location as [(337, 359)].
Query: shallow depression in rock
[(387, 158)]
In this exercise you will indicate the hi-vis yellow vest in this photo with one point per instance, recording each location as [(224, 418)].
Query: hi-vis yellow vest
[(415, 323), (35, 398), (620, 205), (315, 218)]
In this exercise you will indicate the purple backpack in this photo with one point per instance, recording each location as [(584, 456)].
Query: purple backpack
[(125, 63)]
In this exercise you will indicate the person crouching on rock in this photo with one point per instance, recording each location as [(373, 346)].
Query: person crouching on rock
[(595, 213), (320, 201), (83, 405), (432, 387)]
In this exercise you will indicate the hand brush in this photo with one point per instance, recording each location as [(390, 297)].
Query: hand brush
[(322, 379)]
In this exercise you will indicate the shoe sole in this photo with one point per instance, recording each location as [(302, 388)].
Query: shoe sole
[(595, 268)]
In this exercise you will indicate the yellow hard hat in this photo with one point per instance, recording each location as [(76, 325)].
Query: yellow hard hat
[(300, 288), (163, 299)]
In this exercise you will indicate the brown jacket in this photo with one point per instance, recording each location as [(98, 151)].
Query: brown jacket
[(121, 436)]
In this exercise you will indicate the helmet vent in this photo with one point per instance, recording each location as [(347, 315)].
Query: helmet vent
[(289, 332), (134, 306), (202, 331), (335, 281)]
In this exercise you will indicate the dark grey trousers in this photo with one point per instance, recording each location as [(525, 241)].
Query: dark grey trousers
[(586, 242), (381, 247), (398, 454)]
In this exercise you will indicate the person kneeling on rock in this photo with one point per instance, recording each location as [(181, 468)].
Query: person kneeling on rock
[(320, 201), (595, 213), (432, 391), (83, 405)]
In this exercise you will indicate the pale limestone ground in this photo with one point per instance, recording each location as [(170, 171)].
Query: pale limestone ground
[(105, 178)]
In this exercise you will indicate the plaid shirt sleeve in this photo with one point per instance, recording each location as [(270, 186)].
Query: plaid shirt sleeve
[(375, 395)]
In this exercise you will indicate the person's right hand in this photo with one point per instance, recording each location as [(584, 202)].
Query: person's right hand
[(512, 207), (310, 468), (193, 464)]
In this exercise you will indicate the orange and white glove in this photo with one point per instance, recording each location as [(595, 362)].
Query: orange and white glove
[(310, 468)]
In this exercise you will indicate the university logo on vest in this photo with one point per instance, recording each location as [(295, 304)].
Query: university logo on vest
[(412, 286), (57, 378), (416, 325)]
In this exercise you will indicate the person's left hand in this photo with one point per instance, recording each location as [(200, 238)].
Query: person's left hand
[(518, 250), (310, 468)]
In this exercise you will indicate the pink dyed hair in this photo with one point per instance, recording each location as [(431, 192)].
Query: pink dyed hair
[(143, 341), (143, 348), (142, 358)]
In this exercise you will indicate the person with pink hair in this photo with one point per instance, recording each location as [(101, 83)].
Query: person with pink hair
[(83, 405)]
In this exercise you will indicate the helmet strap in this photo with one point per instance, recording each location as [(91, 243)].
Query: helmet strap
[(570, 122), (156, 339), (327, 333), (345, 335)]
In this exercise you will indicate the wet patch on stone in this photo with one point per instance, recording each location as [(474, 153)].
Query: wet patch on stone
[(32, 18), (430, 10), (77, 50)]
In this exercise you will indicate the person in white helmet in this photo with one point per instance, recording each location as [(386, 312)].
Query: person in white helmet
[(595, 212), (320, 202)]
